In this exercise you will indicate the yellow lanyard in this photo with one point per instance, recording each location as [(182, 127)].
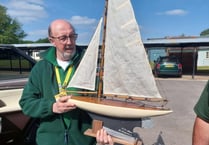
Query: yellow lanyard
[(63, 86)]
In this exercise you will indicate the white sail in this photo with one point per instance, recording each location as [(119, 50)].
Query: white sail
[(126, 68), (85, 75)]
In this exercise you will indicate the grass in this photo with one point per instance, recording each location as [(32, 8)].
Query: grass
[(11, 69), (203, 68), (15, 64)]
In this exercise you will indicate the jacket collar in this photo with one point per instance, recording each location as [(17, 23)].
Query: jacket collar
[(50, 55)]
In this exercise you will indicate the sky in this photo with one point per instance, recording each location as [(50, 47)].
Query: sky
[(156, 18)]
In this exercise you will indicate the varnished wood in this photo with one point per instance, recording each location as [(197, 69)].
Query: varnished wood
[(97, 125), (126, 97), (101, 63), (111, 102)]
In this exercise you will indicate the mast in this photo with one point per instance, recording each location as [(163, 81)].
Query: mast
[(100, 88)]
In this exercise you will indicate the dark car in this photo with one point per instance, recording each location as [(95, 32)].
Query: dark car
[(15, 127), (168, 65)]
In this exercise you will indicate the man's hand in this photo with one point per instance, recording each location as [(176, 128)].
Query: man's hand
[(62, 105), (103, 138)]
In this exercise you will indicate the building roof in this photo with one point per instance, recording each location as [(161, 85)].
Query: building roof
[(156, 42), (177, 42), (32, 45)]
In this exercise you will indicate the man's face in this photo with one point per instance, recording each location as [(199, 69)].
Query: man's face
[(64, 39)]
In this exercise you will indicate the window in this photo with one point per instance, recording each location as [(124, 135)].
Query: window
[(13, 65), (207, 54)]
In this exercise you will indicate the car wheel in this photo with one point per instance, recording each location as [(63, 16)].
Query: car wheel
[(155, 74)]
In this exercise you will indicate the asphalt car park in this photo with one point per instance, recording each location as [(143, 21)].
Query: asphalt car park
[(175, 128)]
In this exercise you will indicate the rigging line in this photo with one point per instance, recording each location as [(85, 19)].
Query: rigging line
[(153, 106)]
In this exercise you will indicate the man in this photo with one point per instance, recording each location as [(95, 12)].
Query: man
[(201, 124), (61, 123)]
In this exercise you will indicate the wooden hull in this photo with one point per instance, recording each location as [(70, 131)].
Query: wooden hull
[(116, 109)]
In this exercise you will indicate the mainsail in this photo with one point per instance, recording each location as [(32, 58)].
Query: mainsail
[(126, 67)]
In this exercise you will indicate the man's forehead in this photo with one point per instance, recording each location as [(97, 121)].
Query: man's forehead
[(62, 28)]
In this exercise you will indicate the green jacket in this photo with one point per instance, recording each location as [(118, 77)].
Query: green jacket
[(38, 97)]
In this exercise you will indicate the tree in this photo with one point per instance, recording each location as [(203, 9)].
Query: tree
[(10, 29), (43, 40), (205, 32)]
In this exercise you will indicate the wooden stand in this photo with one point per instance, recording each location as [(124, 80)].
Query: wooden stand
[(97, 125)]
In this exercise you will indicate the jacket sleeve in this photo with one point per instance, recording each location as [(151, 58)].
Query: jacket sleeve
[(38, 96)]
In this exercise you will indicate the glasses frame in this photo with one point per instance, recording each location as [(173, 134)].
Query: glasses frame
[(64, 38)]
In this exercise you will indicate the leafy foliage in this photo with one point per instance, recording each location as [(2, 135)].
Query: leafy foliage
[(44, 40), (41, 40), (10, 29), (205, 32)]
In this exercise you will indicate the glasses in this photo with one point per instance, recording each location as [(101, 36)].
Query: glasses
[(64, 38)]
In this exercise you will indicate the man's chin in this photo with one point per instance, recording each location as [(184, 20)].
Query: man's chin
[(68, 56)]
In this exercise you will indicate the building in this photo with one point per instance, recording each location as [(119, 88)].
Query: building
[(192, 51)]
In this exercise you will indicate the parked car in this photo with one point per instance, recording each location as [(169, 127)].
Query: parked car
[(168, 65), (15, 127)]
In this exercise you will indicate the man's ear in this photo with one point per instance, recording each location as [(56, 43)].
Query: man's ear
[(50, 39)]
